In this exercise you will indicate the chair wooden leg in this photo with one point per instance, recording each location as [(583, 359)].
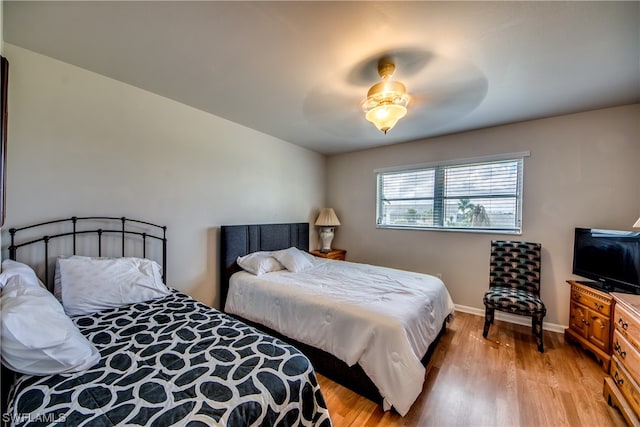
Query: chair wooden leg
[(536, 327), (488, 320)]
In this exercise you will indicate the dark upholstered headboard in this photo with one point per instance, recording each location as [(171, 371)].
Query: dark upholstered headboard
[(240, 240)]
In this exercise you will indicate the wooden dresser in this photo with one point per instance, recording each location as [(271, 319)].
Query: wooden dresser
[(621, 387), (590, 321)]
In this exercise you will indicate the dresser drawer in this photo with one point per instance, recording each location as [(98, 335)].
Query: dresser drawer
[(627, 324), (626, 354), (625, 384), (591, 301)]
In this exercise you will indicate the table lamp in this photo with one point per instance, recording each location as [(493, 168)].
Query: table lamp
[(327, 220)]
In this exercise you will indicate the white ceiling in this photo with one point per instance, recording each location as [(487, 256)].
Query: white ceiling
[(298, 70)]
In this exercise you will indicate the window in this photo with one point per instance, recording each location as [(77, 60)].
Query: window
[(466, 195)]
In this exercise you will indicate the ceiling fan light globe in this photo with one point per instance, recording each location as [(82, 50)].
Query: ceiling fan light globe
[(385, 116)]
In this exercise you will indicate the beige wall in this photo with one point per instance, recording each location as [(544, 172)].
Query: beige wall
[(83, 144), (583, 171)]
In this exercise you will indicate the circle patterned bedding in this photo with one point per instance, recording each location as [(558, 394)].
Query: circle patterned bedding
[(175, 361)]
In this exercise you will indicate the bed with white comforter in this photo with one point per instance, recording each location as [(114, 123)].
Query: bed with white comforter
[(381, 318)]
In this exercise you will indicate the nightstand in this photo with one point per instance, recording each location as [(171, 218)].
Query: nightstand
[(337, 254)]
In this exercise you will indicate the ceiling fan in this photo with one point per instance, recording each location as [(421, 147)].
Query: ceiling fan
[(437, 90), (387, 100)]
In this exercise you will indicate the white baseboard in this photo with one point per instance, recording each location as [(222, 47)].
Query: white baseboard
[(512, 318)]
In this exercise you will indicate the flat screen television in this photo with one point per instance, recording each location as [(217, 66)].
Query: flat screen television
[(609, 257)]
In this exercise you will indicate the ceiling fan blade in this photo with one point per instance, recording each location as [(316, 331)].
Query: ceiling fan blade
[(339, 115), (448, 103)]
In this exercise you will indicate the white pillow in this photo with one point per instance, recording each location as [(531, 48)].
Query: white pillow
[(57, 281), (21, 273), (94, 284), (259, 263), (37, 337), (293, 259)]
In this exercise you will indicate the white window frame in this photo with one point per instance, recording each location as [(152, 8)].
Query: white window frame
[(439, 197)]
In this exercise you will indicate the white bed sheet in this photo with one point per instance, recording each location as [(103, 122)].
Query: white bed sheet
[(382, 318)]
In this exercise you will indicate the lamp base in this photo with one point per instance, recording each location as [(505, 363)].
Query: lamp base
[(326, 236)]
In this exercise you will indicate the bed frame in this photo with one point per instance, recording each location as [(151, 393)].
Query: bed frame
[(240, 240), (96, 236)]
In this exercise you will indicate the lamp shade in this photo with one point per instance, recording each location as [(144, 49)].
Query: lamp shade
[(327, 218), (637, 224)]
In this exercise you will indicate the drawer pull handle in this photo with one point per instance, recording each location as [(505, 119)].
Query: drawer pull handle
[(618, 380), (622, 323), (577, 297), (585, 322), (598, 307), (620, 351)]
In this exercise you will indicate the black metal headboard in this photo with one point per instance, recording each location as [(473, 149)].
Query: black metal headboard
[(240, 240), (122, 227)]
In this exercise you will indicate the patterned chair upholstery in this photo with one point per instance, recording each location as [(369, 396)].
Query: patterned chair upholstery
[(514, 284)]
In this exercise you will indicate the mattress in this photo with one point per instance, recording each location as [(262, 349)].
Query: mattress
[(381, 318), (175, 361)]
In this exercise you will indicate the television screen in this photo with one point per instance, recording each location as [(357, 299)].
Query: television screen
[(610, 257)]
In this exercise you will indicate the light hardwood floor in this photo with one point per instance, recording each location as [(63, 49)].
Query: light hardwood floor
[(500, 381)]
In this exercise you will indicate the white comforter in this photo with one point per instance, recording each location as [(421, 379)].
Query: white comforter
[(382, 318)]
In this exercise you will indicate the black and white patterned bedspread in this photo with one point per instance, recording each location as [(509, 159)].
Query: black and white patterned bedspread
[(175, 361)]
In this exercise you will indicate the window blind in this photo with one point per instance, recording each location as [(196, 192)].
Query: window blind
[(468, 196)]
